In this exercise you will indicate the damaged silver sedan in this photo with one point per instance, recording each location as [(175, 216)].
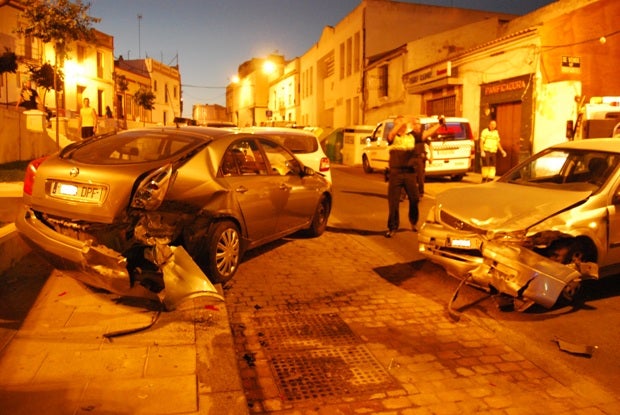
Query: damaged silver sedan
[(538, 231), (162, 213)]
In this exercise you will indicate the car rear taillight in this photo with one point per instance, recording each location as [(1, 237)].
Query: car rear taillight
[(31, 172), (152, 189), (324, 166)]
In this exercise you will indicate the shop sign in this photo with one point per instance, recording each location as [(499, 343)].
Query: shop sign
[(571, 64), (502, 87), (441, 71)]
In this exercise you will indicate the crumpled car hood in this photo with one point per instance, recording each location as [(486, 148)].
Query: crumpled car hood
[(504, 206)]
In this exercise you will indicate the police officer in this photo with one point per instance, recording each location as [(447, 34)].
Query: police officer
[(404, 166)]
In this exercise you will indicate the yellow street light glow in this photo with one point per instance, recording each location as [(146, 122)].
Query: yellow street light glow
[(269, 67)]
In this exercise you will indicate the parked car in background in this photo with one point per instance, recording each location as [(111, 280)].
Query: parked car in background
[(452, 147), (135, 212), (303, 143), (538, 231)]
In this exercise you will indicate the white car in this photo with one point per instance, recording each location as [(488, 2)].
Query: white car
[(304, 144), (539, 230), (452, 147)]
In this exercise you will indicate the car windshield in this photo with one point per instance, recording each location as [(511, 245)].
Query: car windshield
[(565, 169), (134, 147), (298, 144)]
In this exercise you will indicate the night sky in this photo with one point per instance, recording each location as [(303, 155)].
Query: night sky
[(210, 39)]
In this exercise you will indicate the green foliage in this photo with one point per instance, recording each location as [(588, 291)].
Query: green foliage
[(145, 98), (122, 84), (59, 22), (43, 76), (13, 171), (8, 61)]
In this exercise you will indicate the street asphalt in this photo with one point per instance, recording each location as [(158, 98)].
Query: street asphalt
[(59, 359)]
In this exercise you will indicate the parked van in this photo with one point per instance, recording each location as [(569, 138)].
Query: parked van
[(452, 147)]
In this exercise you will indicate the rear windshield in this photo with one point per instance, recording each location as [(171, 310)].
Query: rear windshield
[(451, 130), (297, 143), (134, 147)]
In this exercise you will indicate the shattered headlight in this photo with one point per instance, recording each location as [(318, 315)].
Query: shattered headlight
[(507, 236)]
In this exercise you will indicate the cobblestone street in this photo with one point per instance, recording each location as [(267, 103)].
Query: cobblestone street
[(318, 331)]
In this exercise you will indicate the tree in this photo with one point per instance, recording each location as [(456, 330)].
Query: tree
[(44, 76), (144, 98), (8, 64), (59, 22)]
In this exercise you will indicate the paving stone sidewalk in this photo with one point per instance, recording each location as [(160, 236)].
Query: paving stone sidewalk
[(318, 331)]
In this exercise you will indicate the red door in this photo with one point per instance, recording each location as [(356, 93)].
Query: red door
[(508, 117)]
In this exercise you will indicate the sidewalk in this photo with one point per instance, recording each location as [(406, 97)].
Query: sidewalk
[(59, 361), (12, 248), (54, 358)]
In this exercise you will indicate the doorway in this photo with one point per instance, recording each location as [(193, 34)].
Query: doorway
[(508, 117)]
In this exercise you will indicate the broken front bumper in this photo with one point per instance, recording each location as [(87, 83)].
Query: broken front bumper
[(508, 268), (102, 267)]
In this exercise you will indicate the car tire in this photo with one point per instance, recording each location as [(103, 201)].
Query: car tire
[(366, 165), (457, 177), (321, 215), (223, 251)]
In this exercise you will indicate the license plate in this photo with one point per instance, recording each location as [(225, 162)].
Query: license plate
[(460, 243), (77, 191)]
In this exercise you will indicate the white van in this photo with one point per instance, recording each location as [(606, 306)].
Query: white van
[(452, 147)]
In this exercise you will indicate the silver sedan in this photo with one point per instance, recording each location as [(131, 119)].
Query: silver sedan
[(149, 212), (538, 231)]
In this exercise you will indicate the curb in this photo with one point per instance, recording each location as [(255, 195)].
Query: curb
[(12, 247)]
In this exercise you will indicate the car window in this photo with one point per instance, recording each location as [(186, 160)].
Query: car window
[(243, 157), (133, 148), (452, 130), (281, 162), (573, 170), (297, 143)]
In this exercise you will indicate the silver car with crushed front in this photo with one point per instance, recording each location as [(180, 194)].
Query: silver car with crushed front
[(538, 231)]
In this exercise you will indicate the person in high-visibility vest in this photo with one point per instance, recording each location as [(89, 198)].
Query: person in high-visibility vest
[(489, 145)]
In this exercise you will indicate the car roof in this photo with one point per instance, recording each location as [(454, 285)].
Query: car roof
[(425, 119), (610, 145), (275, 130), (207, 132)]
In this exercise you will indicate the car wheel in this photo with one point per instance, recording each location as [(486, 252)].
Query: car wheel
[(319, 220), (366, 164), (223, 251), (457, 178)]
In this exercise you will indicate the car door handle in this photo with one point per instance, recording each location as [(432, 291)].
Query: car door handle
[(241, 189)]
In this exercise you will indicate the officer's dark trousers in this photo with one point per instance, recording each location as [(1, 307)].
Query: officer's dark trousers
[(402, 178)]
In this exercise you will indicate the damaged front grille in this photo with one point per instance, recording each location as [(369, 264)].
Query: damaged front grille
[(456, 223)]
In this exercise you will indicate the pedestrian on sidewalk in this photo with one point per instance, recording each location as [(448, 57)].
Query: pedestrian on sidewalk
[(403, 163), (489, 145), (87, 123), (28, 97)]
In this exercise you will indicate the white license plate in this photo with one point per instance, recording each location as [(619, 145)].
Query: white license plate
[(461, 243), (76, 191)]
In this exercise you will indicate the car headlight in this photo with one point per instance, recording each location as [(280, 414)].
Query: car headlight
[(503, 236)]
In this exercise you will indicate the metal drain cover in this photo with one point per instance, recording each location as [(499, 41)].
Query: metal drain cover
[(323, 373), (302, 331), (318, 356)]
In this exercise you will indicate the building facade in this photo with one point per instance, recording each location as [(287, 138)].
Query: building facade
[(148, 74), (529, 73)]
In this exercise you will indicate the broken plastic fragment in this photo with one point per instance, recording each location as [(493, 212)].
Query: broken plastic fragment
[(578, 349)]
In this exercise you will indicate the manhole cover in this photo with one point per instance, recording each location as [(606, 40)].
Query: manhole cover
[(302, 331), (318, 356), (324, 373)]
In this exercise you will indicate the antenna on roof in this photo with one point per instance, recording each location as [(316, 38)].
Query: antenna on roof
[(139, 37)]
